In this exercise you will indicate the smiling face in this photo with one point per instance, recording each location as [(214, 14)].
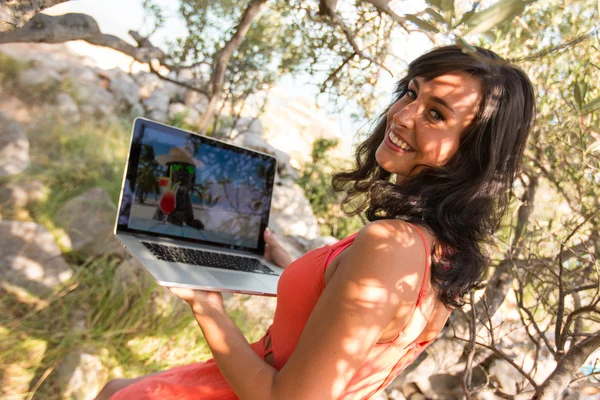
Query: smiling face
[(425, 125)]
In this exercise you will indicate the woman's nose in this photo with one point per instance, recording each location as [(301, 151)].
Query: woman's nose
[(405, 118)]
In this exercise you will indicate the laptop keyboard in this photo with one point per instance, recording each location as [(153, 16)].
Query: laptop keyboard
[(207, 258)]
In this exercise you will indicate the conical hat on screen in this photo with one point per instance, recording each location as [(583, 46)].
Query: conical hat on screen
[(177, 154)]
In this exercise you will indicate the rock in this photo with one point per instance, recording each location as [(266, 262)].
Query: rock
[(122, 86), (54, 56), (177, 92), (435, 369), (191, 116), (247, 125), (89, 221), (14, 147), (16, 109), (183, 75), (320, 242), (147, 83), (290, 244), (81, 374), (395, 394), (177, 108), (96, 101), (291, 213), (67, 108), (252, 139), (82, 75), (157, 105), (158, 115), (192, 98), (30, 257), (137, 110), (125, 90), (505, 375), (40, 78), (20, 195)]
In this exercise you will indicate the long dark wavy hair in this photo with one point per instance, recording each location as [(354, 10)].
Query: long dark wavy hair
[(463, 201)]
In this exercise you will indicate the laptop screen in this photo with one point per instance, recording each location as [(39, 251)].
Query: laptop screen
[(186, 186)]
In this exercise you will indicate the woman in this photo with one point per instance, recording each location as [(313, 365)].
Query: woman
[(433, 179)]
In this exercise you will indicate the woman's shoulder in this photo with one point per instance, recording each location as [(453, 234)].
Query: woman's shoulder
[(398, 231)]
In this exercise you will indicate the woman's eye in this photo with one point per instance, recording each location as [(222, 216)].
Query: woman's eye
[(435, 114), (411, 94)]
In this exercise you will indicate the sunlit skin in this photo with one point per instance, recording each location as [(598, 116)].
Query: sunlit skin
[(430, 118), (371, 287)]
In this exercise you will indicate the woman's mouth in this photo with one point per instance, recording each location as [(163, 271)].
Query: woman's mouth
[(396, 143)]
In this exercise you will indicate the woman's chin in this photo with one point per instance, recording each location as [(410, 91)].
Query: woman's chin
[(386, 162)]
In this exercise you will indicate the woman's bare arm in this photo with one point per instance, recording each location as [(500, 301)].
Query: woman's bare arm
[(378, 279)]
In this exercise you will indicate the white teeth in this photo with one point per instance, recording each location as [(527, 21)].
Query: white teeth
[(399, 142)]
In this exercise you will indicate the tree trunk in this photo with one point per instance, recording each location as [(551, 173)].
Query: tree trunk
[(566, 369), (222, 59), (15, 13)]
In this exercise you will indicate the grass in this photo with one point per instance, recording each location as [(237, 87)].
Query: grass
[(135, 329), (9, 70)]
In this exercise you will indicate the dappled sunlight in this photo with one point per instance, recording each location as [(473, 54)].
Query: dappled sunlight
[(430, 118), (371, 296), (19, 357)]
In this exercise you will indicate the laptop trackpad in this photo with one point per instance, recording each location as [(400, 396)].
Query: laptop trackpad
[(243, 280)]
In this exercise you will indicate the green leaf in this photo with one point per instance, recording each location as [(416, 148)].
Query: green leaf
[(584, 89), (577, 94), (593, 147), (465, 17), (592, 105), (435, 15), (447, 5), (491, 37), (448, 10), (493, 16), (435, 3), (466, 45), (420, 23)]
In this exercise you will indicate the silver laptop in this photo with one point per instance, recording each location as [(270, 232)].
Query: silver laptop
[(193, 210)]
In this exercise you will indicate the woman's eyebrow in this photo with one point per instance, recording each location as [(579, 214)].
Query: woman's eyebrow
[(435, 98), (443, 103)]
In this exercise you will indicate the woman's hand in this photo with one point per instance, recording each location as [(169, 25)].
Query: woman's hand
[(274, 252), (202, 302)]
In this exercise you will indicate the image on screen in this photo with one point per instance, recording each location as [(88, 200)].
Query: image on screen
[(190, 189)]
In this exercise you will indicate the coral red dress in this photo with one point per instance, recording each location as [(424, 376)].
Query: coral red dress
[(298, 290)]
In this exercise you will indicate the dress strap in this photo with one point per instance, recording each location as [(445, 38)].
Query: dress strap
[(340, 246), (423, 290)]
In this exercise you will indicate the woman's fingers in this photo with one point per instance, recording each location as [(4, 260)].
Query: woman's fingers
[(274, 251), (270, 238), (186, 294), (199, 300)]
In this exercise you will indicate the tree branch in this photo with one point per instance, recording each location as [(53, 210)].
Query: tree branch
[(221, 60), (384, 7), (567, 368), (505, 358), (470, 349), (15, 13), (569, 321), (558, 332), (62, 28), (328, 8)]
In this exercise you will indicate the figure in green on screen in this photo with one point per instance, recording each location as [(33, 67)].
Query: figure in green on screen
[(175, 206)]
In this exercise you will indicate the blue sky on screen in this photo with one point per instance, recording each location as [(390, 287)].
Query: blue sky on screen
[(218, 164)]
